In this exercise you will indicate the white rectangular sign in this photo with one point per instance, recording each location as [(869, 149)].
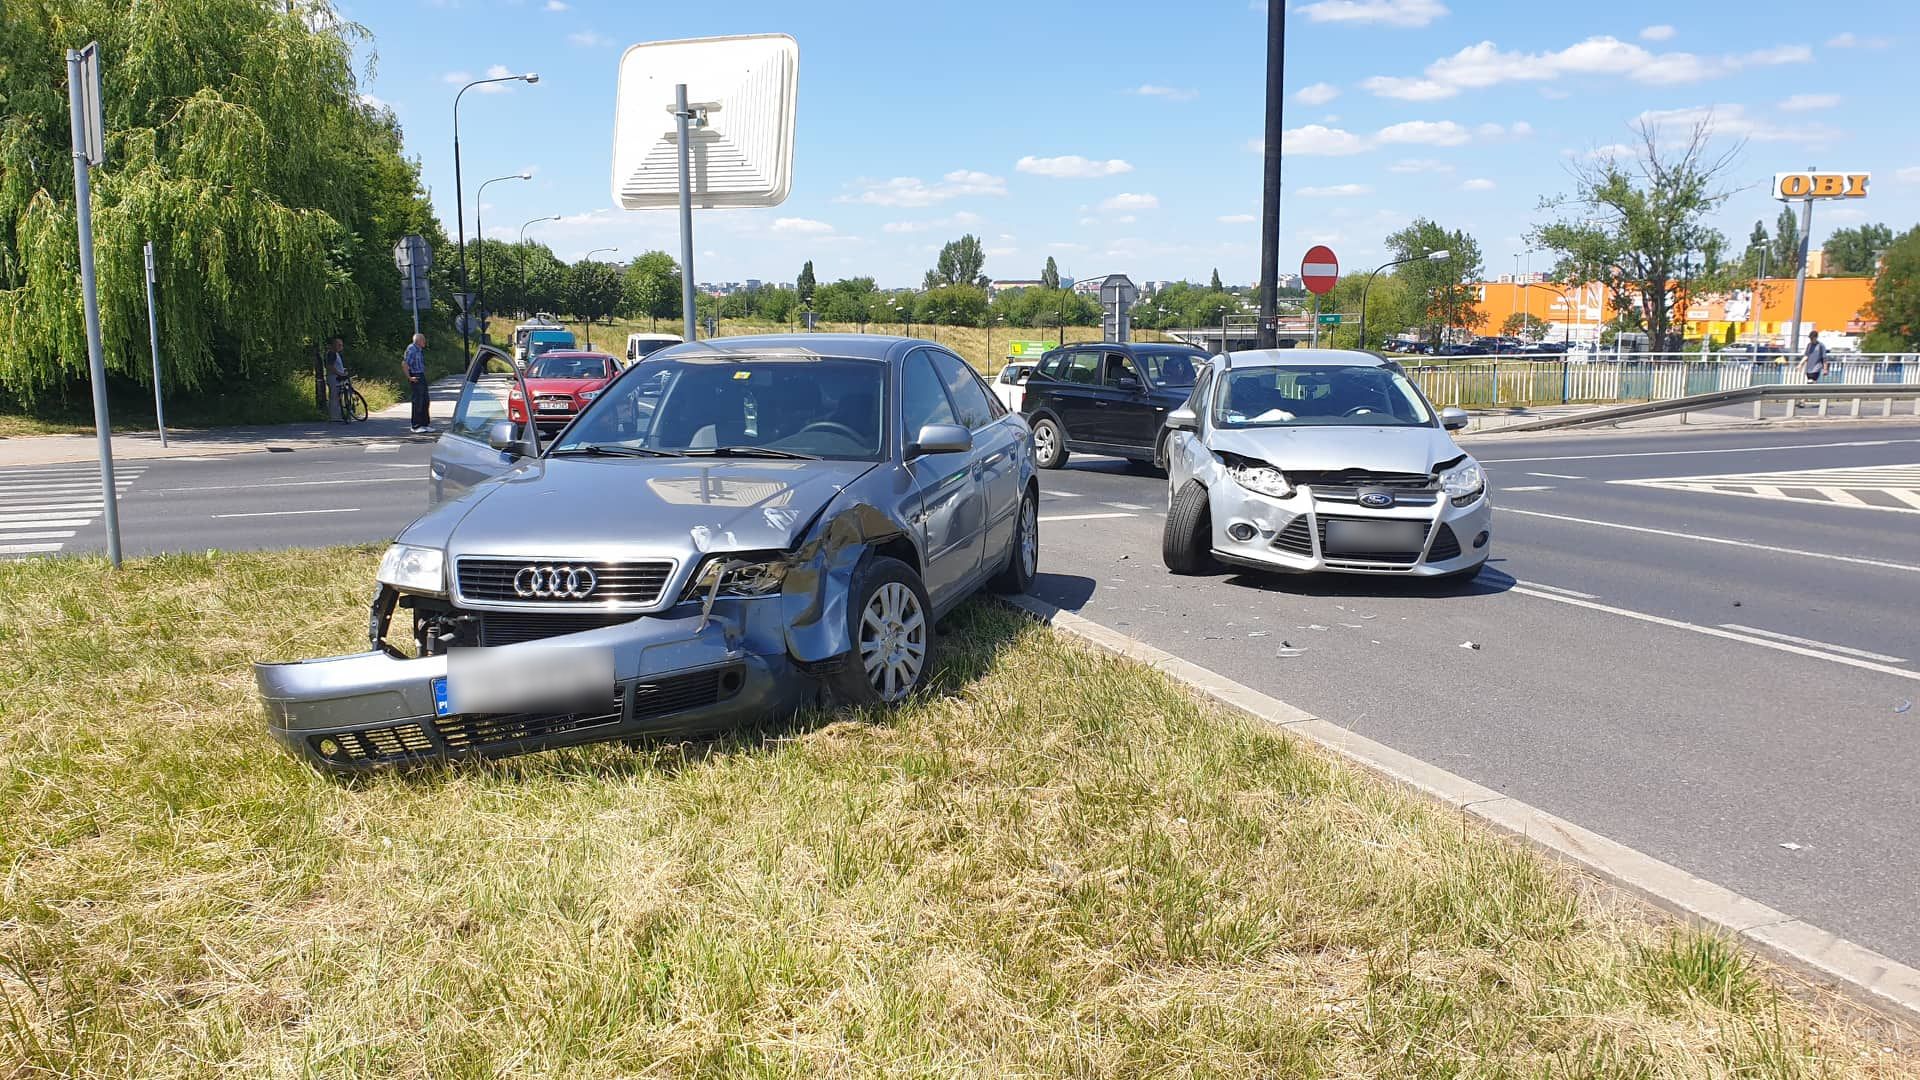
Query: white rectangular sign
[(743, 88)]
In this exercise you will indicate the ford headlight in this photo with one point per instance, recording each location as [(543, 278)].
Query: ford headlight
[(1464, 482), (747, 574), (1258, 476), (414, 569)]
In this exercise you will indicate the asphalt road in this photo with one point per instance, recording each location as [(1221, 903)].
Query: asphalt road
[(1711, 671)]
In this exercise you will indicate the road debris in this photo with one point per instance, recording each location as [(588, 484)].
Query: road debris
[(1791, 846), (1286, 649), (1904, 705), (1474, 645)]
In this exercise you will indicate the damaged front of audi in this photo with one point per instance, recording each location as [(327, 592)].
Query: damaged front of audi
[(713, 554)]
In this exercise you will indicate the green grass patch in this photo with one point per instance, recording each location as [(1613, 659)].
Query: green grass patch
[(1055, 863)]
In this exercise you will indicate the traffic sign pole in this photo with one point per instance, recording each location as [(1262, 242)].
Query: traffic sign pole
[(83, 106)]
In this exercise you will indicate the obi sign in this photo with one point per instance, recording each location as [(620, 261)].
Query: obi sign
[(1818, 185)]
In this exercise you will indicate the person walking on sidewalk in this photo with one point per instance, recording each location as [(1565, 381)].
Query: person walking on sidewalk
[(416, 366), (1815, 363), (336, 362)]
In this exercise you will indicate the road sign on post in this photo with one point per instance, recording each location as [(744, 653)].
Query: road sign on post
[(1117, 294), (1319, 270), (89, 142), (413, 256)]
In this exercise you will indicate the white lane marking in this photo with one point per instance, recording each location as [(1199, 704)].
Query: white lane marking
[(1841, 496), (27, 549), (288, 513), (1059, 494), (1714, 631), (1563, 592), (54, 534), (46, 523), (1911, 498), (383, 448), (89, 505), (15, 487), (295, 483), (1682, 453), (1556, 476), (1821, 487), (1080, 517), (1125, 506), (411, 465), (1527, 487), (1881, 563), (1812, 644), (41, 517)]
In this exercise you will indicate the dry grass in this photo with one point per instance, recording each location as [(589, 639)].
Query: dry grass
[(1056, 864)]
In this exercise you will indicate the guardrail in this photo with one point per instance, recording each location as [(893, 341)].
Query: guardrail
[(1494, 382), (1823, 394)]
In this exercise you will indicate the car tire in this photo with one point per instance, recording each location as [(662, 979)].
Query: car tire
[(1186, 545), (1049, 443), (890, 624), (1023, 554)]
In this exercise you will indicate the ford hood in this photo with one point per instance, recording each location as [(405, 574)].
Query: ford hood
[(1331, 449)]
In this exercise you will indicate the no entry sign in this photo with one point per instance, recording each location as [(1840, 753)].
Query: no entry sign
[(1319, 270)]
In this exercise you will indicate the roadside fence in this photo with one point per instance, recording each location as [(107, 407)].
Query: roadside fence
[(1505, 381)]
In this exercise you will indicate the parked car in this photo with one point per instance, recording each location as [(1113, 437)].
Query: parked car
[(1107, 398), (1010, 385), (641, 346), (1458, 349), (526, 329), (783, 521), (550, 339), (561, 384), (1320, 460)]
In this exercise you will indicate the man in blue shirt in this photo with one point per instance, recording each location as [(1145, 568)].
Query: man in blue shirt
[(416, 365)]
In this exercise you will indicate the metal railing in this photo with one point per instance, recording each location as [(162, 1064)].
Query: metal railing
[(1824, 395), (1512, 382)]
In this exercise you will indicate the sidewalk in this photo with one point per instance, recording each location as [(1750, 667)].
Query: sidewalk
[(387, 425)]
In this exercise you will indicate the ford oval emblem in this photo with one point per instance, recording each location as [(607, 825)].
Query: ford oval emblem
[(1378, 500)]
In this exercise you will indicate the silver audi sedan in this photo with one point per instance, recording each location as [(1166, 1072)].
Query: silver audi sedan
[(731, 530), (1303, 460)]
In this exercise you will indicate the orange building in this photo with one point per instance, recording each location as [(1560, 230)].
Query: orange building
[(1836, 305)]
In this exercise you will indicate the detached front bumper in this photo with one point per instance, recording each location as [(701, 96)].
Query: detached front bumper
[(1291, 534), (672, 675)]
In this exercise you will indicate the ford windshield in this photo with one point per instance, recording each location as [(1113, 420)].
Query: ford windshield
[(1330, 396)]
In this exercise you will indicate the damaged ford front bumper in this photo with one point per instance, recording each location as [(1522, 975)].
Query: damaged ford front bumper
[(678, 672), (1418, 534)]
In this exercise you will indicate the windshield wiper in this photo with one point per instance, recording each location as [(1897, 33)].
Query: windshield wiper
[(600, 450), (751, 451)]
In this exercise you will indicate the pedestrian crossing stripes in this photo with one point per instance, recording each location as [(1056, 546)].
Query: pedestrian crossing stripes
[(42, 508), (1894, 488)]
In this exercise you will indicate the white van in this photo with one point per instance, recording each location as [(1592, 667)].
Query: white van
[(639, 346)]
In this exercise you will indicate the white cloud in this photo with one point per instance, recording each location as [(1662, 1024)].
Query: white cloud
[(1424, 133), (589, 39), (1333, 191), (1318, 94), (1126, 219), (800, 225), (1518, 130), (1408, 13), (912, 191), (1318, 140), (1478, 183), (1419, 165), (1248, 219), (1734, 121), (1851, 40), (1171, 93), (1908, 175), (372, 102), (1071, 167), (1805, 102), (959, 220), (1611, 151), (1128, 200), (1485, 64), (1661, 32), (1315, 140), (559, 5)]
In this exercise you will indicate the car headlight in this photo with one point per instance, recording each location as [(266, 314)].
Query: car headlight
[(1258, 476), (745, 574), (589, 395), (414, 569), (1464, 482)]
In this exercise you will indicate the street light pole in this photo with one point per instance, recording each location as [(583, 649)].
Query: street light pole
[(1434, 256), (588, 257), (528, 308), (480, 238), (459, 205)]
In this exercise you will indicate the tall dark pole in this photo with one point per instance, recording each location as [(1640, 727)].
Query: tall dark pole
[(1270, 189), (480, 238), (460, 209)]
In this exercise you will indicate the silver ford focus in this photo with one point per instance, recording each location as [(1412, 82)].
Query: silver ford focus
[(1302, 460), (730, 531)]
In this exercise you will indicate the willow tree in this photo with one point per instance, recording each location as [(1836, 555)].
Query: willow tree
[(238, 143)]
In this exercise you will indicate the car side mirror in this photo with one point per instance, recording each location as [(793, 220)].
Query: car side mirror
[(504, 435), (1453, 418), (1183, 419), (940, 439), (1128, 383)]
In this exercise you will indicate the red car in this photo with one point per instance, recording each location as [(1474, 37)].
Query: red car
[(562, 383)]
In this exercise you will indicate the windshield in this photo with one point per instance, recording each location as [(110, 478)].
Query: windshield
[(568, 367), (1333, 396), (817, 408), (648, 346), (540, 345), (1168, 367)]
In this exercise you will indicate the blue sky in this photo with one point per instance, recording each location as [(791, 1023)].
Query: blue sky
[(1124, 137)]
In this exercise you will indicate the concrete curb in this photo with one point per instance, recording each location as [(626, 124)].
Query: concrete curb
[(1874, 980)]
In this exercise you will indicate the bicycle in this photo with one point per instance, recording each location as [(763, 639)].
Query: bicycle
[(353, 406)]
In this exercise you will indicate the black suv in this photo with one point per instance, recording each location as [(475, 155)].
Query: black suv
[(1108, 398)]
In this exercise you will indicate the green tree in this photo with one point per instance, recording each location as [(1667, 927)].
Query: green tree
[(1439, 294), (1524, 325), (1784, 260), (960, 263), (847, 300), (1851, 252), (1214, 282), (804, 284), (1642, 228), (951, 305), (1758, 255), (592, 289), (1050, 275), (1896, 297), (652, 288)]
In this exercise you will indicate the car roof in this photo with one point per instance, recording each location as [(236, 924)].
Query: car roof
[(822, 346), (654, 337), (1127, 346), (565, 354), (1305, 358)]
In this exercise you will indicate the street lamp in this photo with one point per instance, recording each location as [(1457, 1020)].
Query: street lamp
[(1431, 256), (480, 237), (459, 205), (588, 257), (527, 308)]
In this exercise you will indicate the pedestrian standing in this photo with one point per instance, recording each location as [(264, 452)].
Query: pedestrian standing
[(336, 367), (1815, 364), (416, 366)]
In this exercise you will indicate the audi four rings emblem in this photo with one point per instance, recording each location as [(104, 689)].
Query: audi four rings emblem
[(554, 582)]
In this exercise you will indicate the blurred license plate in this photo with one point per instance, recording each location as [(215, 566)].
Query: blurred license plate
[(553, 406), (1375, 537), (525, 678)]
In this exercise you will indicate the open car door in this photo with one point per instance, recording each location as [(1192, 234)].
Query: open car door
[(489, 431)]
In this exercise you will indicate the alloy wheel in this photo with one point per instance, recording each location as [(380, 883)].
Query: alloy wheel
[(1043, 442), (1030, 538), (893, 640)]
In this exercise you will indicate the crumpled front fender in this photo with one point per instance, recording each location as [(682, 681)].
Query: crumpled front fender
[(820, 578)]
